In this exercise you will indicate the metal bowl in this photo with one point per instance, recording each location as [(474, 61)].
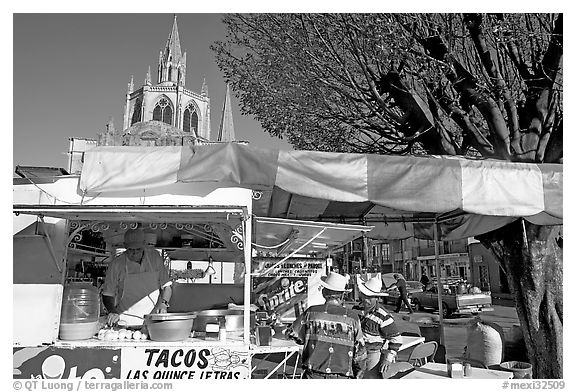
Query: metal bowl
[(169, 327), (234, 319)]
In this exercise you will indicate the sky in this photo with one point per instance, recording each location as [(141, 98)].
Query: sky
[(71, 71)]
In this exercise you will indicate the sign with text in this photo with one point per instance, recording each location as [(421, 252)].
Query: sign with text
[(66, 363), (288, 288), (185, 363)]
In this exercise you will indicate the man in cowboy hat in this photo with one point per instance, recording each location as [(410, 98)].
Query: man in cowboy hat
[(380, 331), (331, 335)]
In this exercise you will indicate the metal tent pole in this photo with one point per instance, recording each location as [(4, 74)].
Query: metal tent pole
[(439, 283)]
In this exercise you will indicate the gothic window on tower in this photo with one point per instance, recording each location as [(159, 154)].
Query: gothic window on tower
[(137, 115), (163, 111), (190, 122)]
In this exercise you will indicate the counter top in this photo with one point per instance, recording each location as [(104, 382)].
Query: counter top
[(200, 342), (276, 345)]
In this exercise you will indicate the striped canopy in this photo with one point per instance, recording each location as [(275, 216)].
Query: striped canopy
[(399, 192)]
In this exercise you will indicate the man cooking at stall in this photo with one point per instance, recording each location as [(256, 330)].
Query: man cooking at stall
[(137, 282)]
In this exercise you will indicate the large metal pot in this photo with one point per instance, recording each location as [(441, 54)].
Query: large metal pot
[(169, 327), (234, 319)]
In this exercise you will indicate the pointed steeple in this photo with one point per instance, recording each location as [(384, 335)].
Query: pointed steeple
[(172, 62), (173, 44), (204, 90), (226, 131)]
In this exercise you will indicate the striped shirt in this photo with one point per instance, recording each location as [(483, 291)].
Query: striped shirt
[(378, 325)]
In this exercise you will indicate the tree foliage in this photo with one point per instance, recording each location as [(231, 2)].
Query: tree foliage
[(486, 85), (475, 84)]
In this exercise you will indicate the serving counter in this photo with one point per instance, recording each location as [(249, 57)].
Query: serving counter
[(193, 358), (195, 227)]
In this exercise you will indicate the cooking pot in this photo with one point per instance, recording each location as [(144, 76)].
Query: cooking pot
[(234, 319), (169, 327)]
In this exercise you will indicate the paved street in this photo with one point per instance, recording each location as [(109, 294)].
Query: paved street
[(455, 328)]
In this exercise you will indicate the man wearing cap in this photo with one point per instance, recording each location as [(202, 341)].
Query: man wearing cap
[(380, 331), (331, 335), (137, 282)]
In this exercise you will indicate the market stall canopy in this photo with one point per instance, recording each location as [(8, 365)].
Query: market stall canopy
[(143, 214), (400, 195), (285, 236)]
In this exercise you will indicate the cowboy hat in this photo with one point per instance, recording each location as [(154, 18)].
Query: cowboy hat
[(334, 282), (372, 287)]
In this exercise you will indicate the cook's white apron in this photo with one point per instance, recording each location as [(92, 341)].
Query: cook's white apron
[(141, 289)]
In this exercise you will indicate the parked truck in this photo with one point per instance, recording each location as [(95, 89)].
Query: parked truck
[(455, 300)]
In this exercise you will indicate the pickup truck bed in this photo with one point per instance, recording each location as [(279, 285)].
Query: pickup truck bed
[(455, 303)]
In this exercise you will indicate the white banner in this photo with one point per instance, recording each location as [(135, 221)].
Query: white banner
[(173, 363)]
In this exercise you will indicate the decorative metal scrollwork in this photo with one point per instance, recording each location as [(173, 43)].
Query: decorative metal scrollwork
[(237, 237), (76, 228)]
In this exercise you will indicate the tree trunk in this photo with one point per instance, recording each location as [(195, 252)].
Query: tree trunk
[(532, 259)]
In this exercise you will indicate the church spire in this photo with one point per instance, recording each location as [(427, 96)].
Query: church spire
[(172, 62), (173, 44), (226, 131)]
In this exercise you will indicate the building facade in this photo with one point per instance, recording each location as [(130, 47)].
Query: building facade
[(460, 259), (162, 112), (168, 100), (486, 272)]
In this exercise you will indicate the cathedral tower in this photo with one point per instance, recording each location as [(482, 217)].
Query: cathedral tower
[(168, 108)]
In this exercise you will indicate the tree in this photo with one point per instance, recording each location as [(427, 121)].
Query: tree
[(488, 85)]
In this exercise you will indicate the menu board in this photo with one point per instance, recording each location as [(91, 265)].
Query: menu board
[(288, 288)]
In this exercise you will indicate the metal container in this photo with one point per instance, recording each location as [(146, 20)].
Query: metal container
[(234, 319), (169, 327)]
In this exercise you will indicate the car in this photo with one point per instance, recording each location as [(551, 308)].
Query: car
[(453, 301), (412, 286)]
